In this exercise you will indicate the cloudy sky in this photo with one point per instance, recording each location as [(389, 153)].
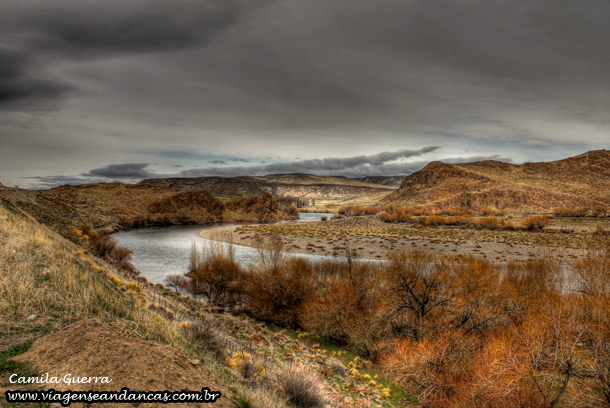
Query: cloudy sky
[(94, 90)]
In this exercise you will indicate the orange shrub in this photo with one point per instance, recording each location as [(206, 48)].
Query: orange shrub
[(434, 220), (509, 226), (489, 223), (535, 222), (486, 211)]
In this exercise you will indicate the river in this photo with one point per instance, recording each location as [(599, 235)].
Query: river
[(162, 251)]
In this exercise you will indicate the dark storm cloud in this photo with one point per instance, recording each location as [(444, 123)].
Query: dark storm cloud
[(77, 30), (200, 80), (217, 161), (17, 90), (123, 171), (91, 28), (329, 165)]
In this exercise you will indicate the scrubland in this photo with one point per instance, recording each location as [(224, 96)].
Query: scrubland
[(453, 331), (48, 283)]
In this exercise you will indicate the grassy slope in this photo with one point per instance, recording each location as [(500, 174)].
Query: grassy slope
[(45, 275)]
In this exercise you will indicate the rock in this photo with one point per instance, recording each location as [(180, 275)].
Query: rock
[(32, 317)]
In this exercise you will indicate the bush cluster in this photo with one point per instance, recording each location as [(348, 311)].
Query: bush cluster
[(451, 330)]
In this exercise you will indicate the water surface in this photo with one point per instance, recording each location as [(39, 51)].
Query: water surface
[(162, 251)]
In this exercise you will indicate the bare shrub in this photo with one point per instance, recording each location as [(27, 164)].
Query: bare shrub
[(275, 294), (535, 222), (303, 387), (270, 249), (176, 281), (509, 226), (345, 304), (489, 223), (437, 371), (478, 304), (417, 286), (434, 220), (215, 274)]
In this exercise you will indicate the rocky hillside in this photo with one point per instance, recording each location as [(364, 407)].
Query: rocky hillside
[(579, 181), (110, 206), (278, 185)]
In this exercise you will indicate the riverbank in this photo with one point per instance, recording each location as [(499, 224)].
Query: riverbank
[(369, 238)]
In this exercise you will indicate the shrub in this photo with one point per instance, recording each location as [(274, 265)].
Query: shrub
[(489, 223), (535, 222), (434, 220), (324, 218), (215, 274), (275, 294), (486, 211), (509, 226), (417, 286), (303, 387)]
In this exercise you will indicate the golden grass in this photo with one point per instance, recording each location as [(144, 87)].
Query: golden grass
[(45, 275)]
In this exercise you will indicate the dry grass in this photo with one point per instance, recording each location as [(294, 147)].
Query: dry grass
[(47, 276), (303, 387)]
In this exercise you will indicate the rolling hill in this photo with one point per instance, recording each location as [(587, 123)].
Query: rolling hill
[(579, 181)]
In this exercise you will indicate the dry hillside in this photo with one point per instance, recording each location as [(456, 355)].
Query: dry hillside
[(579, 181), (109, 206)]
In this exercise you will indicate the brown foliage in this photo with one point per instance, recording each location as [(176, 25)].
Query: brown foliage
[(489, 223), (275, 293), (215, 275), (535, 222)]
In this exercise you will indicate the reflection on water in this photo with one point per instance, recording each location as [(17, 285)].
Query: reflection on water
[(162, 251)]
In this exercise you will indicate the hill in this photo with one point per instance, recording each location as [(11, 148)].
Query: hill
[(111, 206), (278, 185), (579, 181)]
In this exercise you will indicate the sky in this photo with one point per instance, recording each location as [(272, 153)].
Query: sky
[(122, 90)]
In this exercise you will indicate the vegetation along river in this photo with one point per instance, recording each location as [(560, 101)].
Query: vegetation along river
[(162, 251)]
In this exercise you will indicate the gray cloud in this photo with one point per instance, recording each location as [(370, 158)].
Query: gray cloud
[(266, 78), (18, 90), (330, 165), (241, 160), (122, 171), (217, 161)]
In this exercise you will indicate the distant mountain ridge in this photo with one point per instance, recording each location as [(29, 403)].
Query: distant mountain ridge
[(579, 181), (279, 185)]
